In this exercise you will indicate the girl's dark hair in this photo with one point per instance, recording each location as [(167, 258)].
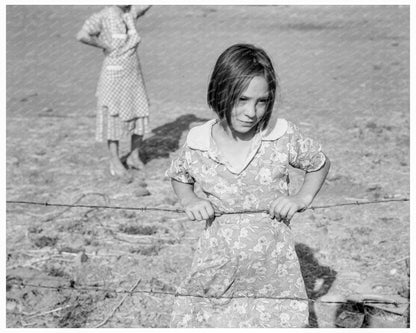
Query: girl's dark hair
[(232, 73)]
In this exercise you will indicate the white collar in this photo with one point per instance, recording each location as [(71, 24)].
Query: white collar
[(199, 137)]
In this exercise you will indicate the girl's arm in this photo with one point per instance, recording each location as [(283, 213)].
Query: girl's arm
[(195, 207), (285, 207)]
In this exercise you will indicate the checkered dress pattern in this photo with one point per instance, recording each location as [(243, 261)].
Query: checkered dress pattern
[(122, 102)]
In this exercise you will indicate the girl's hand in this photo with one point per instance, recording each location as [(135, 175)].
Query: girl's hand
[(199, 209), (285, 207)]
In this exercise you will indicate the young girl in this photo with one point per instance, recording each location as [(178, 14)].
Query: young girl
[(244, 261), (123, 107)]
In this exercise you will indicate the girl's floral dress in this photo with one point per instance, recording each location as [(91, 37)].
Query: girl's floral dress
[(244, 260)]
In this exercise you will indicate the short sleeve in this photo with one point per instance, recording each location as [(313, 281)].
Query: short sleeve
[(304, 153), (179, 168), (93, 24)]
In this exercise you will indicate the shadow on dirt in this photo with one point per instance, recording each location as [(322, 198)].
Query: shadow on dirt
[(166, 138), (318, 279)]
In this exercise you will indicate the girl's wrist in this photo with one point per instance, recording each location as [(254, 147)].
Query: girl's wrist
[(187, 199), (305, 199)]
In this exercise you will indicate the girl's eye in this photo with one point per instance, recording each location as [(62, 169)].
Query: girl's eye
[(262, 101), (242, 100)]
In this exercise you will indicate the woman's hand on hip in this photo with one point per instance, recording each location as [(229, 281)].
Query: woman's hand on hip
[(108, 50)]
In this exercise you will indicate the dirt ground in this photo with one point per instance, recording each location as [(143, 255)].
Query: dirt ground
[(344, 76)]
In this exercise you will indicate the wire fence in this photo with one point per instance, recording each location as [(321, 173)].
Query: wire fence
[(173, 210), (178, 294)]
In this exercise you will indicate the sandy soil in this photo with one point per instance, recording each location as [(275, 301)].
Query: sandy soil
[(344, 75)]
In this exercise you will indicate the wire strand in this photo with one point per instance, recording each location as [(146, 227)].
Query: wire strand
[(174, 210), (176, 294)]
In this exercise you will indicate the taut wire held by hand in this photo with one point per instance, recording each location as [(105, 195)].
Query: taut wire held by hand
[(178, 210)]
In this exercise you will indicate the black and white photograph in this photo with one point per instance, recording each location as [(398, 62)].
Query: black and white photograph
[(207, 165)]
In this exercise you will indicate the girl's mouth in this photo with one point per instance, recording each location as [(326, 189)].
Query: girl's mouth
[(247, 123)]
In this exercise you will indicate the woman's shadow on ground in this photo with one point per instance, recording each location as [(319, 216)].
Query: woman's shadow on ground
[(318, 279), (166, 138)]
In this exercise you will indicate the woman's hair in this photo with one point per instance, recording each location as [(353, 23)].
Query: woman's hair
[(234, 70)]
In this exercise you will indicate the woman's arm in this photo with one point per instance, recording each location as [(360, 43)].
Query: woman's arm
[(285, 207), (195, 207), (139, 10), (88, 39)]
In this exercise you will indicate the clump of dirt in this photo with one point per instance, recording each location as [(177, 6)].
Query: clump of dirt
[(76, 315), (151, 250), (139, 229), (44, 241), (57, 271)]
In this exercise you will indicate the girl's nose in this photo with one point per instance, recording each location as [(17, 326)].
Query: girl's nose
[(250, 110)]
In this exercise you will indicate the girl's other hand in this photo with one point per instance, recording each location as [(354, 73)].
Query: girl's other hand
[(284, 208), (199, 209)]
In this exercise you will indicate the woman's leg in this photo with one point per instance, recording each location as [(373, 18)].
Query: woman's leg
[(116, 167), (133, 160)]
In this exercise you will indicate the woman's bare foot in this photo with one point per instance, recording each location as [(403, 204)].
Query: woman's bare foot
[(134, 162), (118, 170)]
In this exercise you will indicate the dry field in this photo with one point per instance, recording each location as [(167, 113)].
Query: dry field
[(344, 76)]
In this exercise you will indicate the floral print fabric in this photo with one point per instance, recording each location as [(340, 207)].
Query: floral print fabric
[(243, 261)]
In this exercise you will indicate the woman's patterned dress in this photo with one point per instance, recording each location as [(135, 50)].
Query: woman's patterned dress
[(123, 106)]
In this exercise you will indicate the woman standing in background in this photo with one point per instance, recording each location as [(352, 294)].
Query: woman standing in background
[(123, 104)]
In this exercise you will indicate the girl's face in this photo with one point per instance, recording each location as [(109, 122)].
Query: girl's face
[(250, 108)]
